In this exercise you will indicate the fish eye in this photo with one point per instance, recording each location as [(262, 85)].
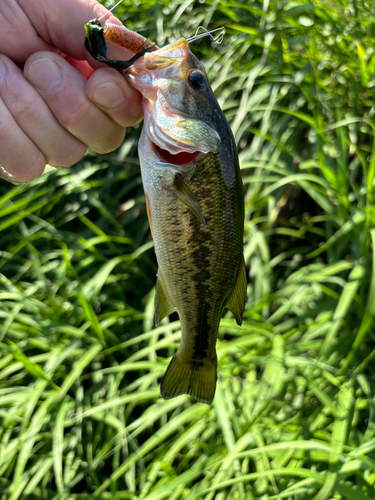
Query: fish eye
[(197, 80)]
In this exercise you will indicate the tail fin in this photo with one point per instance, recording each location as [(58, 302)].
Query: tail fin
[(188, 376)]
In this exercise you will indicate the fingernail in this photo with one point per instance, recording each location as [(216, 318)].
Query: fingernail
[(4, 174), (109, 96), (45, 75)]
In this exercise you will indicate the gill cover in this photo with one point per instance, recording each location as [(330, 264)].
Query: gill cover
[(178, 115)]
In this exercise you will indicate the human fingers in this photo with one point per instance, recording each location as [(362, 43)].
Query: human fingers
[(35, 121), (63, 88), (109, 90), (61, 24), (54, 25), (20, 159), (19, 38)]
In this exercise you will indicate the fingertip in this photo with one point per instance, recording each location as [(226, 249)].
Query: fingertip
[(74, 151), (43, 71), (111, 93), (106, 89), (22, 173), (112, 142)]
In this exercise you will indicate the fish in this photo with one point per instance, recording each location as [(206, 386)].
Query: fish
[(195, 206)]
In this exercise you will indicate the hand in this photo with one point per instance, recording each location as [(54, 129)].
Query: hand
[(53, 104)]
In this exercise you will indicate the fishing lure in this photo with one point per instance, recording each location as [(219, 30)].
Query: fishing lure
[(194, 199)]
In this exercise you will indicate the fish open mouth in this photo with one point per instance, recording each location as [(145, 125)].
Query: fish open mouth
[(182, 158)]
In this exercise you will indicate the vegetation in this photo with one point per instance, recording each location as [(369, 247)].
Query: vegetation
[(80, 360)]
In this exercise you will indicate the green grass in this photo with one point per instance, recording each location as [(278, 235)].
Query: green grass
[(80, 359)]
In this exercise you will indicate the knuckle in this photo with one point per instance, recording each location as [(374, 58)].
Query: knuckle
[(74, 119), (24, 108)]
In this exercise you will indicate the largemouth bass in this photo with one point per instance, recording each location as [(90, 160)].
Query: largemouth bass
[(195, 206)]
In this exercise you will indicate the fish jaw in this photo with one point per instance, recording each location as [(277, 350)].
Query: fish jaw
[(145, 72), (178, 117), (167, 164), (171, 130)]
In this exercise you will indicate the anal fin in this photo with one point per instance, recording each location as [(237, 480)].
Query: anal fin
[(163, 306), (185, 194), (237, 300)]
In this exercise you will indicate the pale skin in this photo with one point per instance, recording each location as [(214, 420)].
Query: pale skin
[(53, 104)]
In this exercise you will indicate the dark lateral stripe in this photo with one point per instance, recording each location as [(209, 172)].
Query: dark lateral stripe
[(202, 258)]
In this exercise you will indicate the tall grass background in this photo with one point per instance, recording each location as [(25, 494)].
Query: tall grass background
[(80, 358)]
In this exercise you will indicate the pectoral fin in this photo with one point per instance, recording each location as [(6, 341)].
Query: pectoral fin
[(184, 194), (236, 302), (149, 214), (163, 306)]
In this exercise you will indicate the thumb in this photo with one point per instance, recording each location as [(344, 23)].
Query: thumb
[(61, 23)]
